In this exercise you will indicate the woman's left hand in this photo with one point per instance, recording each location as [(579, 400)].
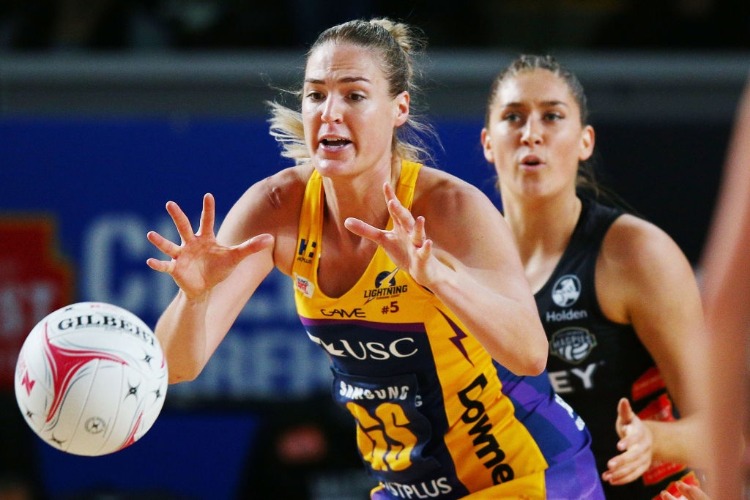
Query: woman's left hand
[(636, 444)]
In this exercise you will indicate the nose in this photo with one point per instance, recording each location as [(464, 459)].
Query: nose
[(532, 132), (331, 110)]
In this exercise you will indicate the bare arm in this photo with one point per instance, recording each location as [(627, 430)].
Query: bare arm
[(217, 275), (647, 281), (469, 261), (214, 282), (726, 292)]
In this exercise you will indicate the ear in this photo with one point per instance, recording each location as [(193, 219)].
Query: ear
[(588, 138), (402, 108), (486, 145)]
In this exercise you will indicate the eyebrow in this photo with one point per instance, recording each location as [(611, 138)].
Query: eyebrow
[(550, 103), (346, 79)]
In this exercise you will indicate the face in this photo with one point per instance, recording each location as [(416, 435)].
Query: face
[(534, 136), (349, 118)]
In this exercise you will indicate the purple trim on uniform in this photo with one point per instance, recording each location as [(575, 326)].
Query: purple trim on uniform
[(575, 478), (374, 325), (537, 409), (380, 495)]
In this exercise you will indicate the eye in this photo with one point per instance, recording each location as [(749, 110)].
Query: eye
[(511, 117), (314, 95), (355, 96), (553, 116)]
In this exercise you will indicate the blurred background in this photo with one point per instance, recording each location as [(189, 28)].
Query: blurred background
[(109, 108)]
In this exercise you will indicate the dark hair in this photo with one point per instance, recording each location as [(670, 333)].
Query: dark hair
[(396, 43), (586, 179), (587, 182), (529, 62)]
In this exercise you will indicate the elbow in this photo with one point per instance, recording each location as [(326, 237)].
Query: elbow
[(534, 363), (537, 357), (176, 379), (530, 366), (533, 366), (183, 373), (184, 363), (537, 364)]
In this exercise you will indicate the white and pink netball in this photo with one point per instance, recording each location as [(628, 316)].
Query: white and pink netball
[(91, 378)]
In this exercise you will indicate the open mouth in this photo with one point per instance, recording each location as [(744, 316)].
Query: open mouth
[(334, 143), (531, 161)]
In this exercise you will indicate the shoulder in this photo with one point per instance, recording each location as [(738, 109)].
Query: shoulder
[(439, 192), (283, 186), (271, 205), (633, 242), (457, 212), (274, 195), (638, 262)]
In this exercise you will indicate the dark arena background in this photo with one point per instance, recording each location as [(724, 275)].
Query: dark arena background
[(110, 108)]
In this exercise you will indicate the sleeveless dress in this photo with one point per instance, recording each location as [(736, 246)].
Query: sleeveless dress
[(593, 361), (436, 416)]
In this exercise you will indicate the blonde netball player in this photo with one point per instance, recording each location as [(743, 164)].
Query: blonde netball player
[(404, 275)]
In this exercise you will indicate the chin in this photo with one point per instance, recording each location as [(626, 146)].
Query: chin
[(330, 168)]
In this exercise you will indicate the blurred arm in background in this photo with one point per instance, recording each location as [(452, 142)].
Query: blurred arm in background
[(726, 291)]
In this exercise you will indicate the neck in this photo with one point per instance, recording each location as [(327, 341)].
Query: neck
[(542, 227), (360, 196)]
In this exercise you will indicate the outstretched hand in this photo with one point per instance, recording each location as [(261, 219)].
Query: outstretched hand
[(636, 445), (200, 262), (406, 244)]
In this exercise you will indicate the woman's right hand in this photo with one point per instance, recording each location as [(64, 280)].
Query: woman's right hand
[(636, 444), (200, 262)]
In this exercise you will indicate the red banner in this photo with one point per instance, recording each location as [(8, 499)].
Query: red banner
[(34, 281)]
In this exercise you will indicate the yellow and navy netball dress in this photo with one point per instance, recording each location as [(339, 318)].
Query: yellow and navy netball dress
[(436, 416)]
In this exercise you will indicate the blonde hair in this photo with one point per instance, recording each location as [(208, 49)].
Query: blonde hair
[(396, 43)]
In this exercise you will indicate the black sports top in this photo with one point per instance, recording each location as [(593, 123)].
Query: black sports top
[(594, 361)]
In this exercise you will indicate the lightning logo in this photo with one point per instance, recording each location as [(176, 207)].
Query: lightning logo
[(385, 286), (458, 337)]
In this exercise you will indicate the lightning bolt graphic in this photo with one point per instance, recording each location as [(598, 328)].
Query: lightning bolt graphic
[(458, 337)]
